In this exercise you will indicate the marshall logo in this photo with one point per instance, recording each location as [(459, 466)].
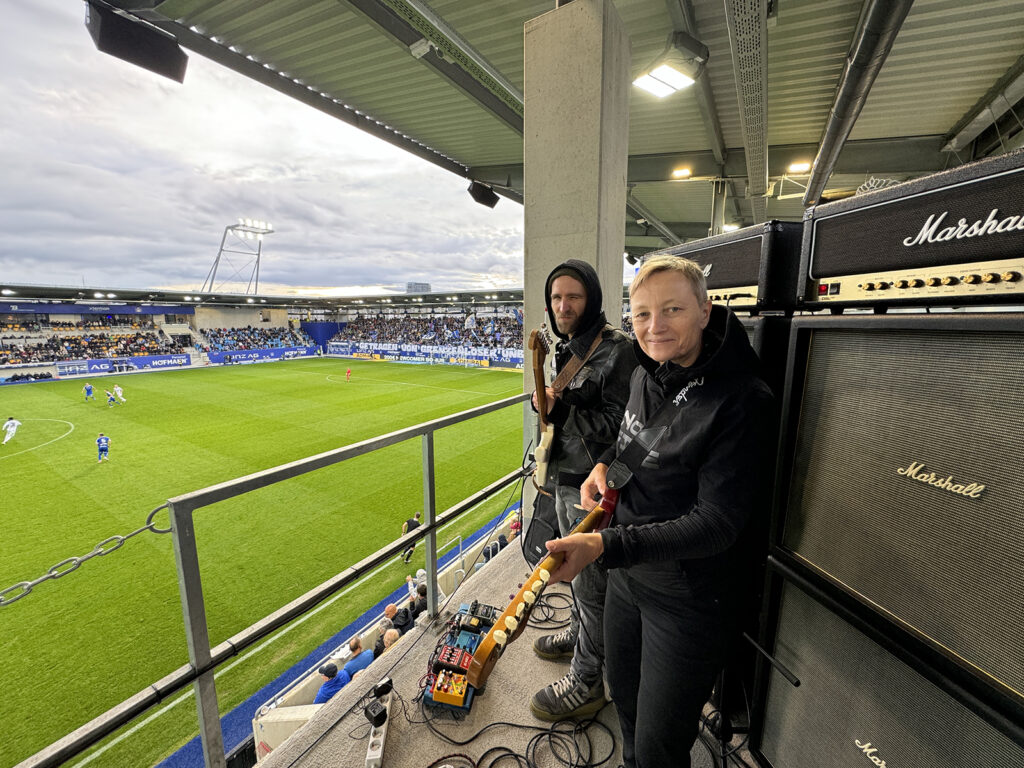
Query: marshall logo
[(869, 752), (934, 232), (681, 397), (707, 270), (917, 471)]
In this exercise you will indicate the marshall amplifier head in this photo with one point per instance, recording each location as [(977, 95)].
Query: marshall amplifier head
[(953, 237), (753, 268)]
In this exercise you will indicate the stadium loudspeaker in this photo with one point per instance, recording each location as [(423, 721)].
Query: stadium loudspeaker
[(857, 704), (135, 42), (901, 485), (483, 194)]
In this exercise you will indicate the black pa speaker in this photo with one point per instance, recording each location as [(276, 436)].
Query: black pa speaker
[(483, 194), (135, 42)]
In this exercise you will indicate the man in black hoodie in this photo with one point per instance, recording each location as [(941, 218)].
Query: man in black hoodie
[(676, 555), (586, 411)]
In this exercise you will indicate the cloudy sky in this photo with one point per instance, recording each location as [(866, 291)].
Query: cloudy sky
[(115, 177)]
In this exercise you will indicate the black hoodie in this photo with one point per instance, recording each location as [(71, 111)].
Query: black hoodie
[(693, 496), (588, 412)]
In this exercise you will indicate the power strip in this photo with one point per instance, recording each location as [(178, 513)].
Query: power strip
[(378, 737)]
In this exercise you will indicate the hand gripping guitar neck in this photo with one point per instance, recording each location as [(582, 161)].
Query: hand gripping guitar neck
[(512, 621), (542, 453)]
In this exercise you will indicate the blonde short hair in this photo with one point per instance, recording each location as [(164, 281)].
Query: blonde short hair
[(689, 269)]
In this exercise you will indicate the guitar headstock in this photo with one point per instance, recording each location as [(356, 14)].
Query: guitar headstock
[(540, 340)]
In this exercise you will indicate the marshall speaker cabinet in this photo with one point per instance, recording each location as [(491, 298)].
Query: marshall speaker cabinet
[(901, 492), (858, 705), (753, 268), (954, 238)]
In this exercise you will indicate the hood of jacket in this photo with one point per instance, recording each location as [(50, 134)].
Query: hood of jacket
[(593, 318)]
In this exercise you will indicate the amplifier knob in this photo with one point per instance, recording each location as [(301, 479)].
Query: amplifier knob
[(883, 286), (902, 284), (950, 280), (1011, 277), (990, 277), (972, 279), (933, 281), (916, 282), (869, 286)]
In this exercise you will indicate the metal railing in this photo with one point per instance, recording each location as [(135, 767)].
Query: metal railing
[(204, 660)]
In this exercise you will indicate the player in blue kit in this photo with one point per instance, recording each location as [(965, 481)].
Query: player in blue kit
[(111, 402), (103, 446), (88, 391)]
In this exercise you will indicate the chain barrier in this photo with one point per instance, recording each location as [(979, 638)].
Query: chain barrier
[(14, 593)]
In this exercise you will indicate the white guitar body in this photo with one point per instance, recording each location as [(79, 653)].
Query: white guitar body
[(543, 454)]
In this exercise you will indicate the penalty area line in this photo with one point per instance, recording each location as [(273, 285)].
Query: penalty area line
[(42, 445)]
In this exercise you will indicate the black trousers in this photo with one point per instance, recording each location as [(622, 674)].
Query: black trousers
[(665, 643)]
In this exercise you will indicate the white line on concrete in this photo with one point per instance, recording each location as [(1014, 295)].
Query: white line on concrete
[(273, 638), (72, 429)]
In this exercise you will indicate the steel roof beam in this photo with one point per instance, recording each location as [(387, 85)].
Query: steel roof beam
[(880, 22), (639, 211), (999, 100), (409, 22), (305, 94), (683, 19)]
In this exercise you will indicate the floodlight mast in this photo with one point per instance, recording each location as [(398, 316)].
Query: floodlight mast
[(245, 229)]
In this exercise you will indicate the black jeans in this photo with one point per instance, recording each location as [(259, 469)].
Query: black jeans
[(665, 642)]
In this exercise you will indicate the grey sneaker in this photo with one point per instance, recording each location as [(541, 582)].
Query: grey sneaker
[(558, 646), (568, 698)]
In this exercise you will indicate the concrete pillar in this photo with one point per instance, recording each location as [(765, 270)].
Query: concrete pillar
[(575, 148)]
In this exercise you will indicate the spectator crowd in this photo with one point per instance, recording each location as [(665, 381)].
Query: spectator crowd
[(229, 339), (460, 329), (84, 346)]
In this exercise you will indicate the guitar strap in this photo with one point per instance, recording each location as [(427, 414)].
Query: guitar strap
[(575, 364), (626, 463)]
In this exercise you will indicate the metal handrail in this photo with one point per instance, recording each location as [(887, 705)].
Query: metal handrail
[(205, 659)]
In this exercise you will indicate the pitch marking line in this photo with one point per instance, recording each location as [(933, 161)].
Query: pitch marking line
[(72, 429), (269, 641), (411, 384)]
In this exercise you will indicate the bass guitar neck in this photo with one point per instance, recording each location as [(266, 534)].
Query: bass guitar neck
[(510, 625)]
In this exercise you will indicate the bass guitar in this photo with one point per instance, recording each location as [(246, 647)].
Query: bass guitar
[(512, 621), (540, 346)]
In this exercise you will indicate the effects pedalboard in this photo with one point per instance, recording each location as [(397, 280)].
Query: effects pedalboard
[(446, 684)]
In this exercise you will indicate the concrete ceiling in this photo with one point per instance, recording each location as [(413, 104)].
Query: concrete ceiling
[(444, 80)]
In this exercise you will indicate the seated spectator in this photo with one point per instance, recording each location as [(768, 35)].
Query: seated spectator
[(515, 526), (418, 604), (400, 618), (334, 681), (390, 637), (360, 659), (382, 628)]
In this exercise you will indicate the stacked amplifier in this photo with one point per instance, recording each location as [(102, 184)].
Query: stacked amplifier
[(896, 595), (753, 271)]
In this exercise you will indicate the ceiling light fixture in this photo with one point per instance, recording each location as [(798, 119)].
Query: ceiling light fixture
[(801, 167), (677, 67), (681, 173)]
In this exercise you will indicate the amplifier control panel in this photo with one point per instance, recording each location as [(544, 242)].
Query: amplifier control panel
[(976, 281), (742, 297)]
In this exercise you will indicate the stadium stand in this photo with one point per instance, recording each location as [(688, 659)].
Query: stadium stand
[(56, 347), (228, 339), (464, 328)]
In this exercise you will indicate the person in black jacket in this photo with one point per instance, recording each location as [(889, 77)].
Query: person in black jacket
[(586, 411), (676, 551)]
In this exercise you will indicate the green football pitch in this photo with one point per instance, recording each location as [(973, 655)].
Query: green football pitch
[(80, 644)]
